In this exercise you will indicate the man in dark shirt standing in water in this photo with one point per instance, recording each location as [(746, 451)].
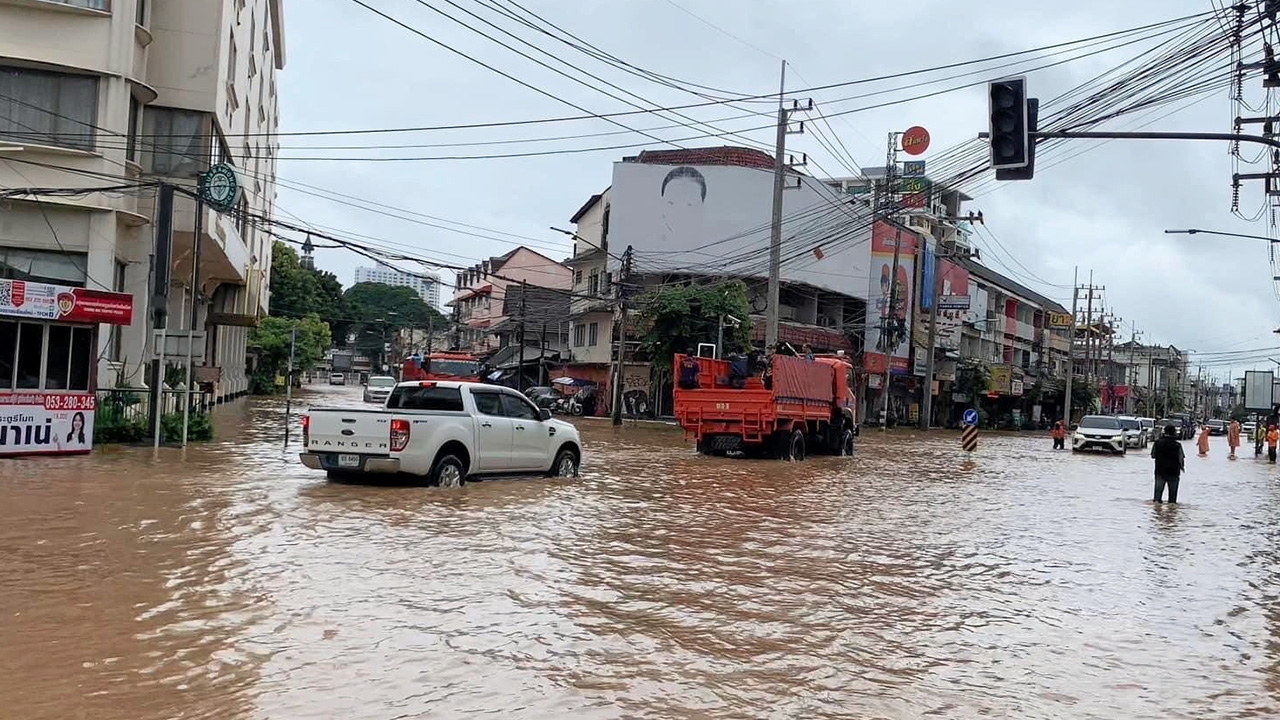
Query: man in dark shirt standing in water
[(1170, 462)]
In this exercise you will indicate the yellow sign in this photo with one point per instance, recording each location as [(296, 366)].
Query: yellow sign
[(1059, 320)]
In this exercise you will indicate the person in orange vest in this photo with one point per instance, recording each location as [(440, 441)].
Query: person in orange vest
[(1233, 437), (1203, 443), (1059, 436), (1273, 438)]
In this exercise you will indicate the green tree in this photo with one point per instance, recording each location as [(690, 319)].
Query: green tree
[(297, 291), (677, 318), (375, 309), (271, 342)]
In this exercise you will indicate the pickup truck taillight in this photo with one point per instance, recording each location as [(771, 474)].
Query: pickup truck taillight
[(306, 429), (399, 434)]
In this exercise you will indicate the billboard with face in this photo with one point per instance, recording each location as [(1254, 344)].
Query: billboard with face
[(715, 219), (889, 303)]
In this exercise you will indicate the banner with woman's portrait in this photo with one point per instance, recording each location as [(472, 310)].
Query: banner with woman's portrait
[(40, 423)]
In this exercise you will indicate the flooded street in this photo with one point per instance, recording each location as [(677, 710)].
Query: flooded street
[(906, 582)]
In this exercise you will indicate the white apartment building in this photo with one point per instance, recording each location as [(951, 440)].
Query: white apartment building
[(427, 285), (104, 92)]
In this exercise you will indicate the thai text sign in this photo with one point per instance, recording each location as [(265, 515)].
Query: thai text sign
[(42, 301), (46, 423)]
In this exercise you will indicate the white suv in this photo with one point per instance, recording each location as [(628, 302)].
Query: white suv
[(1099, 432), (1135, 436)]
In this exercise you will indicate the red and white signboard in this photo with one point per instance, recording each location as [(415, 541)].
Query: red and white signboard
[(42, 301), (46, 423)]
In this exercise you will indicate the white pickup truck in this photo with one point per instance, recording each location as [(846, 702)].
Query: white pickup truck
[(445, 432)]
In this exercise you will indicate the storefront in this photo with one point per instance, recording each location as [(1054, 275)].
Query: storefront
[(48, 364)]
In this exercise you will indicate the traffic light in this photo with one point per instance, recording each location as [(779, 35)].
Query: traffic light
[(1010, 144), (1029, 171)]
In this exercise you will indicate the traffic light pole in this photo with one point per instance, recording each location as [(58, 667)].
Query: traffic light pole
[(1108, 135)]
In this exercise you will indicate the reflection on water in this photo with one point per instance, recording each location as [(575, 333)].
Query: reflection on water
[(907, 581)]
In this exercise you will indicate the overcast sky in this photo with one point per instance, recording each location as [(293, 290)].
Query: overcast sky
[(1103, 209)]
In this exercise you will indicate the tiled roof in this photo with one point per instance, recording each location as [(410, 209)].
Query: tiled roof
[(725, 155)]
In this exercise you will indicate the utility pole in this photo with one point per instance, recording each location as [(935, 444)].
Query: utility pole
[(524, 294), (542, 354), (888, 320), (780, 168), (160, 300), (620, 322), (1071, 346), (288, 383), (1131, 379), (195, 313)]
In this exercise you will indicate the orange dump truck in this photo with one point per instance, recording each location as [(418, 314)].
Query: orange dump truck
[(794, 408), (441, 366)]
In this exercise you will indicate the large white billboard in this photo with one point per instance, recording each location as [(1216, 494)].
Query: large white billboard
[(1258, 390), (715, 219)]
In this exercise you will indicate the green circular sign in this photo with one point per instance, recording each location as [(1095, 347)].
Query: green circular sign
[(220, 186)]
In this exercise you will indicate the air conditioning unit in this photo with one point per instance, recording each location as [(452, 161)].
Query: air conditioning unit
[(826, 321), (786, 312)]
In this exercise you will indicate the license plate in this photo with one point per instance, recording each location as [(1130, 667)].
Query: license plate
[(349, 461)]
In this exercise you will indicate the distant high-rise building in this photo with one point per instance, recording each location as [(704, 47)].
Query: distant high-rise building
[(427, 285)]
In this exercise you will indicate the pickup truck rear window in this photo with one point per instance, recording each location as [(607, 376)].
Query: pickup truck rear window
[(429, 398)]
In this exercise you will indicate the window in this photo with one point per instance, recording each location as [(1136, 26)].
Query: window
[(67, 360), (440, 399), (231, 60), (519, 408), (8, 348), (593, 282), (30, 349), (577, 277), (48, 266), (131, 143), (488, 403), (579, 335), (141, 17), (178, 147), (103, 5), (116, 348), (593, 334), (47, 107)]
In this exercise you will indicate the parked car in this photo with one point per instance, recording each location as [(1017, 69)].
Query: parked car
[(1149, 427), (337, 379), (1099, 432), (1247, 429), (1188, 425), (445, 432), (379, 388), (1216, 427), (544, 396), (1134, 435), (1175, 423)]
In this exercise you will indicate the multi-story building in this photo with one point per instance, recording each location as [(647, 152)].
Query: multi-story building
[(822, 304), (1008, 330), (481, 289), (98, 93), (427, 285)]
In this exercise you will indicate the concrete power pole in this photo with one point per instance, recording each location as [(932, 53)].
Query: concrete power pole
[(780, 168), (926, 415), (1071, 347), (620, 321)]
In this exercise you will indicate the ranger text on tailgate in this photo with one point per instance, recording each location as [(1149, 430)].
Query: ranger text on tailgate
[(446, 432)]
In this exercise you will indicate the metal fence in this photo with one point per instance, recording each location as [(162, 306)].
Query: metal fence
[(132, 405)]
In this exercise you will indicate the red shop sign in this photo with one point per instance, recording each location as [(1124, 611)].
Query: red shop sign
[(42, 301)]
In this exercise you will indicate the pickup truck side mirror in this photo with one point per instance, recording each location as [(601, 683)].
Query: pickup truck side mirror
[(1075, 427), (544, 414)]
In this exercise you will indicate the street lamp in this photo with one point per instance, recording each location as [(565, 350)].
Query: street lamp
[(1198, 231)]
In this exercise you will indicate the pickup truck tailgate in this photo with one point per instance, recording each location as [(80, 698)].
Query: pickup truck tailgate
[(342, 430)]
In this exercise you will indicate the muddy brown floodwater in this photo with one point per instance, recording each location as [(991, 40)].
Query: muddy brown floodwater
[(905, 582)]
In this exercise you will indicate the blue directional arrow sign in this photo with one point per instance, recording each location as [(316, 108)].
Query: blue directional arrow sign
[(970, 417)]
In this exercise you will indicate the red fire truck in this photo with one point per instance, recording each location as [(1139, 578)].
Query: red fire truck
[(441, 366), (795, 407)]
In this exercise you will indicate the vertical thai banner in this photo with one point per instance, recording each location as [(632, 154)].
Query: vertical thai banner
[(888, 336)]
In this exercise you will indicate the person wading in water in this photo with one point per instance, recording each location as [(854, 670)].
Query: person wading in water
[(1170, 462)]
